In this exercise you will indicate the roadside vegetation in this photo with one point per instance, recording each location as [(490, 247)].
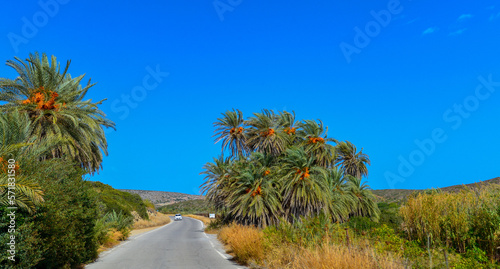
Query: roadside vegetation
[(54, 138), (155, 220), (197, 206), (289, 196)]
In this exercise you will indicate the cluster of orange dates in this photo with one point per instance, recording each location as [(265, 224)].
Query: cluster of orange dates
[(314, 140), (290, 130), (238, 131), (4, 165), (269, 132), (305, 174), (258, 191), (39, 98)]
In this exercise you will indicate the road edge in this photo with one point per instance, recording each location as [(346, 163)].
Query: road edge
[(224, 255)]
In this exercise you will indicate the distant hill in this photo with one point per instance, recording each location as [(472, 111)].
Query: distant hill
[(199, 206), (395, 195), (160, 198)]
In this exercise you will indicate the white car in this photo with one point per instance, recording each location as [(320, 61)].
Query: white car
[(178, 217)]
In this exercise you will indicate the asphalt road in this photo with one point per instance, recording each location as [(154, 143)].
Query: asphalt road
[(179, 244)]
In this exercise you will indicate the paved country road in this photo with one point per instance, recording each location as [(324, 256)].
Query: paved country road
[(179, 244)]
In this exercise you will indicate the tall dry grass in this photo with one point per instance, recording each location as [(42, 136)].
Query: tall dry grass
[(469, 217), (246, 243), (328, 256), (206, 221), (249, 246), (154, 220)]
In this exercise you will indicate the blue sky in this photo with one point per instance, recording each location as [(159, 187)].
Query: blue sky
[(381, 74)]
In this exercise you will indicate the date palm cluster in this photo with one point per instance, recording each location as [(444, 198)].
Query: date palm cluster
[(278, 168)]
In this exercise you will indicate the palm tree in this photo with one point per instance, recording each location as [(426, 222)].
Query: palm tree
[(230, 129), (55, 106), (303, 184), (315, 140), (287, 121), (265, 133), (217, 181), (254, 197), (352, 162), (16, 148), (341, 200), (364, 200)]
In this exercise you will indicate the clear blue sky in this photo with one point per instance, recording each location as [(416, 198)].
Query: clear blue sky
[(380, 82)]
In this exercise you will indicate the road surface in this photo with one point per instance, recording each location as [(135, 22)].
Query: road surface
[(179, 244)]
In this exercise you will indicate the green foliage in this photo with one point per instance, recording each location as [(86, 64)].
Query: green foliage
[(119, 201), (148, 204), (29, 246), (361, 224), (67, 218), (389, 215), (62, 232), (306, 232), (119, 221), (101, 228)]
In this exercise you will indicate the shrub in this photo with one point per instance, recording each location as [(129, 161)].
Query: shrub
[(66, 221), (389, 215), (361, 224), (29, 246), (120, 222), (61, 233), (119, 201)]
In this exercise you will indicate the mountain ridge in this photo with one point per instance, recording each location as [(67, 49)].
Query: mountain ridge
[(161, 198), (392, 195)]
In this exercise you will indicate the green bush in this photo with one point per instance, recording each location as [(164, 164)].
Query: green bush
[(389, 215), (361, 224), (67, 218), (120, 222), (307, 232), (62, 232), (29, 246), (119, 201)]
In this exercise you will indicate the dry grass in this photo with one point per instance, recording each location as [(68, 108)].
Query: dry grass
[(154, 220), (450, 217), (113, 238), (327, 256), (206, 221), (249, 246), (246, 243)]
